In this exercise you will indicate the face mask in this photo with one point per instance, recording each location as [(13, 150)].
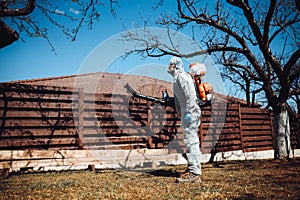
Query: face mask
[(171, 70), (178, 63)]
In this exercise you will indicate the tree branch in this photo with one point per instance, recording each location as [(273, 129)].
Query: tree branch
[(293, 74), (7, 35), (268, 20), (263, 45), (295, 92), (283, 27), (204, 19), (253, 76), (240, 83), (6, 12)]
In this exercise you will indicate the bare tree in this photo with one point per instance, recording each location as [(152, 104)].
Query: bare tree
[(245, 84), (295, 91), (26, 16), (258, 39)]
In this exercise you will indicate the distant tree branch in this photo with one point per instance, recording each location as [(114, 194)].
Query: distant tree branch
[(19, 16)]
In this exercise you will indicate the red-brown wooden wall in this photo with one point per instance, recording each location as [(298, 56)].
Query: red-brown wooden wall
[(44, 117)]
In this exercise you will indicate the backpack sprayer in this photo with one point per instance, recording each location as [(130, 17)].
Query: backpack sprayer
[(165, 101), (204, 90)]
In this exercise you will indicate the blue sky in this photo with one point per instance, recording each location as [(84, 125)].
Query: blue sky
[(34, 59)]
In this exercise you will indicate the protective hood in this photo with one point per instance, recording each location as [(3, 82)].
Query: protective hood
[(197, 69), (178, 63)]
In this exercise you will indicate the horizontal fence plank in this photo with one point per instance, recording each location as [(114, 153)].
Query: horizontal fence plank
[(260, 132), (37, 142), (255, 122), (257, 138), (205, 132), (67, 104), (250, 111), (216, 149), (60, 121), (257, 127), (262, 148), (257, 117), (34, 112), (258, 144), (60, 131)]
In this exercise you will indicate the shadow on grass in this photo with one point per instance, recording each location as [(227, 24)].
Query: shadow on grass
[(165, 173)]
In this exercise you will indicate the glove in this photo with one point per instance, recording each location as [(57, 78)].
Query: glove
[(187, 118), (209, 97)]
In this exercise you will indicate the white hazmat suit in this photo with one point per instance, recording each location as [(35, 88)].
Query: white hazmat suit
[(187, 106)]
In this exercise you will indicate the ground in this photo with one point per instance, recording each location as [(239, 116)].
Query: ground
[(262, 179)]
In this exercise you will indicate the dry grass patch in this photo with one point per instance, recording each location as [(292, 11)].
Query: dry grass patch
[(263, 179)]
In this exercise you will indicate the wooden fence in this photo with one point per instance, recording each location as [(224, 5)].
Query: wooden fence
[(44, 117)]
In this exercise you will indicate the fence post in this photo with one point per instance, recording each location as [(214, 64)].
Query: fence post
[(80, 118), (272, 126), (200, 129), (241, 127), (5, 103), (149, 115)]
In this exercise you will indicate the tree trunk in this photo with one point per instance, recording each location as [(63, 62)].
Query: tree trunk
[(282, 142), (248, 93), (298, 106), (7, 35)]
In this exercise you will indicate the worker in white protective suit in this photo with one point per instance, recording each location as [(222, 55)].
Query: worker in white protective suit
[(187, 106)]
